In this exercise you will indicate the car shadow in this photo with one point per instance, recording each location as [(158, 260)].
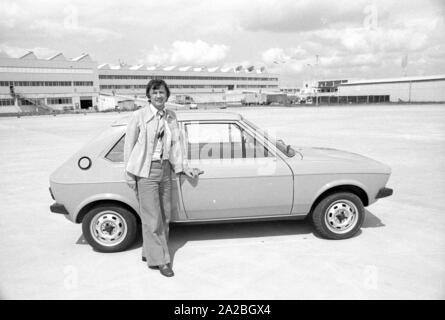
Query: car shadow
[(372, 221), (81, 240), (181, 234)]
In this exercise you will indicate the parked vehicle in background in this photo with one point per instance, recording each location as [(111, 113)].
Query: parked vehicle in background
[(264, 98), (276, 98), (254, 98), (186, 100)]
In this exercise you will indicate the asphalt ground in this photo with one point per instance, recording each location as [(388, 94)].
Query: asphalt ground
[(398, 254)]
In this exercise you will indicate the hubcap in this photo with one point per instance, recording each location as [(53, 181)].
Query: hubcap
[(341, 216), (108, 228)]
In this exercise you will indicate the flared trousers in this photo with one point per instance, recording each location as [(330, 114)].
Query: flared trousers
[(155, 196)]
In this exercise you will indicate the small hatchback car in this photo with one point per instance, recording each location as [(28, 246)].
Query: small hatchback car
[(247, 175)]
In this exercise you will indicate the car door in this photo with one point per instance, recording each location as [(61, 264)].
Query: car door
[(242, 178)]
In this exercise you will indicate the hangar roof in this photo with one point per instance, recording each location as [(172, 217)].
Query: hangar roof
[(394, 80)]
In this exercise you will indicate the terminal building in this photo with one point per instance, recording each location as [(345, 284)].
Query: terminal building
[(29, 84), (405, 89), (419, 89)]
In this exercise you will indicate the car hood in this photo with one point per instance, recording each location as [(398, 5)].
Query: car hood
[(328, 154), (343, 161)]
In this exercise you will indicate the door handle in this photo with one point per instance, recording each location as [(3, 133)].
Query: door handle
[(199, 172)]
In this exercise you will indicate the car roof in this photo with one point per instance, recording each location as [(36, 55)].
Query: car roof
[(190, 115)]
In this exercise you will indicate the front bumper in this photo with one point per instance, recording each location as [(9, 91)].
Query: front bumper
[(383, 193), (58, 208)]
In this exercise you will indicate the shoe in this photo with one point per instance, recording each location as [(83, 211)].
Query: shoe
[(151, 267), (166, 270)]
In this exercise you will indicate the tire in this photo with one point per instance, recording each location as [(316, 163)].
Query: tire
[(110, 228), (338, 216)]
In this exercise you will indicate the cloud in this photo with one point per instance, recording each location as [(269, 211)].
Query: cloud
[(297, 16), (185, 52), (359, 40), (280, 55), (57, 29), (371, 48), (10, 13), (53, 19), (290, 16), (349, 36)]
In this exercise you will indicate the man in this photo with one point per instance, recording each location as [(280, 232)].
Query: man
[(152, 149)]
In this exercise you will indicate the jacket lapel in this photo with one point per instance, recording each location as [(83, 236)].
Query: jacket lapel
[(147, 115)]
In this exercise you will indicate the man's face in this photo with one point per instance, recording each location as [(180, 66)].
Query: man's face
[(158, 97)]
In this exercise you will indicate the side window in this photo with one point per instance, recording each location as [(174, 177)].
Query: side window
[(116, 154), (213, 141), (221, 141)]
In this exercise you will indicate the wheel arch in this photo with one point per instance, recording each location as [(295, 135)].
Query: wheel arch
[(354, 189), (86, 208)]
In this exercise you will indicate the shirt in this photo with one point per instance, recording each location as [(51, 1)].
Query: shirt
[(162, 130)]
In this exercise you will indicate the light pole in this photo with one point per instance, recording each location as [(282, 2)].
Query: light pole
[(314, 73), (316, 81), (314, 89)]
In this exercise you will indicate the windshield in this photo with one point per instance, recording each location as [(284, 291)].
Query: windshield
[(279, 143)]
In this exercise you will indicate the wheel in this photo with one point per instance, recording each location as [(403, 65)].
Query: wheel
[(109, 228), (338, 216)]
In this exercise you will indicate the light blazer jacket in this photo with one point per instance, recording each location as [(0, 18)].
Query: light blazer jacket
[(140, 143)]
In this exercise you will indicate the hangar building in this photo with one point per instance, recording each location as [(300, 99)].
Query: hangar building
[(29, 83), (132, 80), (406, 89), (419, 89)]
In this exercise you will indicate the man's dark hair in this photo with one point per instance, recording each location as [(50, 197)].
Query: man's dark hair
[(156, 84)]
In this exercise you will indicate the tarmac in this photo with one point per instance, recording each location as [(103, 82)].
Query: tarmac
[(398, 254)]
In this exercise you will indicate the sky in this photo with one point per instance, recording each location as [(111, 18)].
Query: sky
[(301, 40)]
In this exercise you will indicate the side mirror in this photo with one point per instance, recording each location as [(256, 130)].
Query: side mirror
[(290, 152)]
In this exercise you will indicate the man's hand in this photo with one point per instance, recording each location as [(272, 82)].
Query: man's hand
[(193, 173)]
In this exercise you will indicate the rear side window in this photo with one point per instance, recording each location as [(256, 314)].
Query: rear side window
[(116, 154)]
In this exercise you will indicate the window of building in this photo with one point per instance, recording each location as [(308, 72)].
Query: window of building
[(61, 100), (174, 77), (45, 70), (6, 102), (23, 102), (83, 83)]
